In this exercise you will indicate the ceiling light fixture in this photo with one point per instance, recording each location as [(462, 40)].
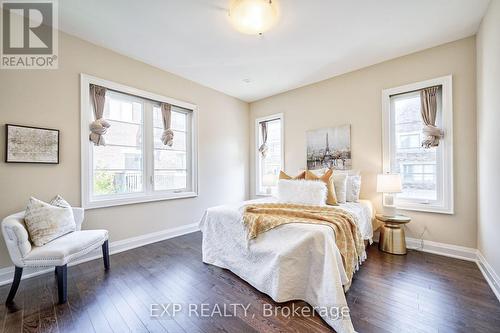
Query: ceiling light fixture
[(253, 17)]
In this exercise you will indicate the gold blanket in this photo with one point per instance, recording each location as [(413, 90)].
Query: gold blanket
[(259, 218)]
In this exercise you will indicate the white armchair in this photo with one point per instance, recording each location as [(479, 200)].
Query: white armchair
[(58, 252)]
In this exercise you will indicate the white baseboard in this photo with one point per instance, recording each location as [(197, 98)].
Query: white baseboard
[(443, 249), (7, 273), (448, 250), (489, 274), (458, 252)]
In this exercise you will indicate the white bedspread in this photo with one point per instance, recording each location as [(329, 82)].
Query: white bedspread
[(295, 261), (363, 210)]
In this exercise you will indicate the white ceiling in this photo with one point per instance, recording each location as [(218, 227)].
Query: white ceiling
[(314, 39)]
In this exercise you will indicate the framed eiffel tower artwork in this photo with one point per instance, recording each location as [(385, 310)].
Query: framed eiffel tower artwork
[(329, 148)]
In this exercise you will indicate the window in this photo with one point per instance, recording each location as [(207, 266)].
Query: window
[(417, 166), (426, 174), (134, 165), (268, 168), (171, 163), (118, 166)]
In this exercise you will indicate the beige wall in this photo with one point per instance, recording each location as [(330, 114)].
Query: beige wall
[(355, 98), (51, 98), (488, 135)]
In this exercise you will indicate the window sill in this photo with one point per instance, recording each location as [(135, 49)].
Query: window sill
[(137, 199), (426, 209)]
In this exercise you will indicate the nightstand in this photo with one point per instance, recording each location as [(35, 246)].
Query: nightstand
[(392, 233)]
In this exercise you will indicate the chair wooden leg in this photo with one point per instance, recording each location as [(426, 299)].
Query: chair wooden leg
[(105, 254), (62, 283), (15, 284)]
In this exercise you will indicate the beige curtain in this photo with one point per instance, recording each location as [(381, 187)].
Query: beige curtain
[(263, 147), (167, 137), (428, 98), (99, 126)]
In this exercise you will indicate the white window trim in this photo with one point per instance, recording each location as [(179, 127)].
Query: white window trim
[(256, 149), (86, 118), (447, 157)]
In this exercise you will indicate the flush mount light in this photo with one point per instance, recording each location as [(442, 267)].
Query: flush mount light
[(253, 17)]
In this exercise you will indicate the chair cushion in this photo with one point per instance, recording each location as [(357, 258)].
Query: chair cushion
[(66, 248)]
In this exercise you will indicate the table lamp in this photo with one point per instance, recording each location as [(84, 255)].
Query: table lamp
[(388, 184), (269, 180)]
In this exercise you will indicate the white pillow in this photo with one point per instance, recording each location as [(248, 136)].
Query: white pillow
[(305, 192), (350, 172), (353, 187), (320, 172), (340, 183), (46, 221)]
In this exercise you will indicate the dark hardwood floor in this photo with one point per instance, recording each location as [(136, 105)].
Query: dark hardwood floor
[(419, 292)]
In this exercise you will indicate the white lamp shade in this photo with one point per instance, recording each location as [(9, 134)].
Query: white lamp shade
[(269, 180), (389, 183)]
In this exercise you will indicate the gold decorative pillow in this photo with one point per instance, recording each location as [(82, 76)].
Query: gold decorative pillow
[(327, 178), (301, 175)]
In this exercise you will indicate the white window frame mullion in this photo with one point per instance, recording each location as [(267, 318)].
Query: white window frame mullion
[(148, 142), (189, 144)]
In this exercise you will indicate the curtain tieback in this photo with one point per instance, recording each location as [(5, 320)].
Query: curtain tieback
[(430, 130), (98, 128), (263, 150), (167, 137), (432, 136)]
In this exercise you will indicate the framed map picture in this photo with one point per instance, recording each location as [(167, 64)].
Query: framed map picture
[(26, 144)]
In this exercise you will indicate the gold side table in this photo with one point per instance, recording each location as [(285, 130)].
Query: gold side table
[(392, 234)]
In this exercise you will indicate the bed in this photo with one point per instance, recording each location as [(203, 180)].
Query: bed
[(295, 261)]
